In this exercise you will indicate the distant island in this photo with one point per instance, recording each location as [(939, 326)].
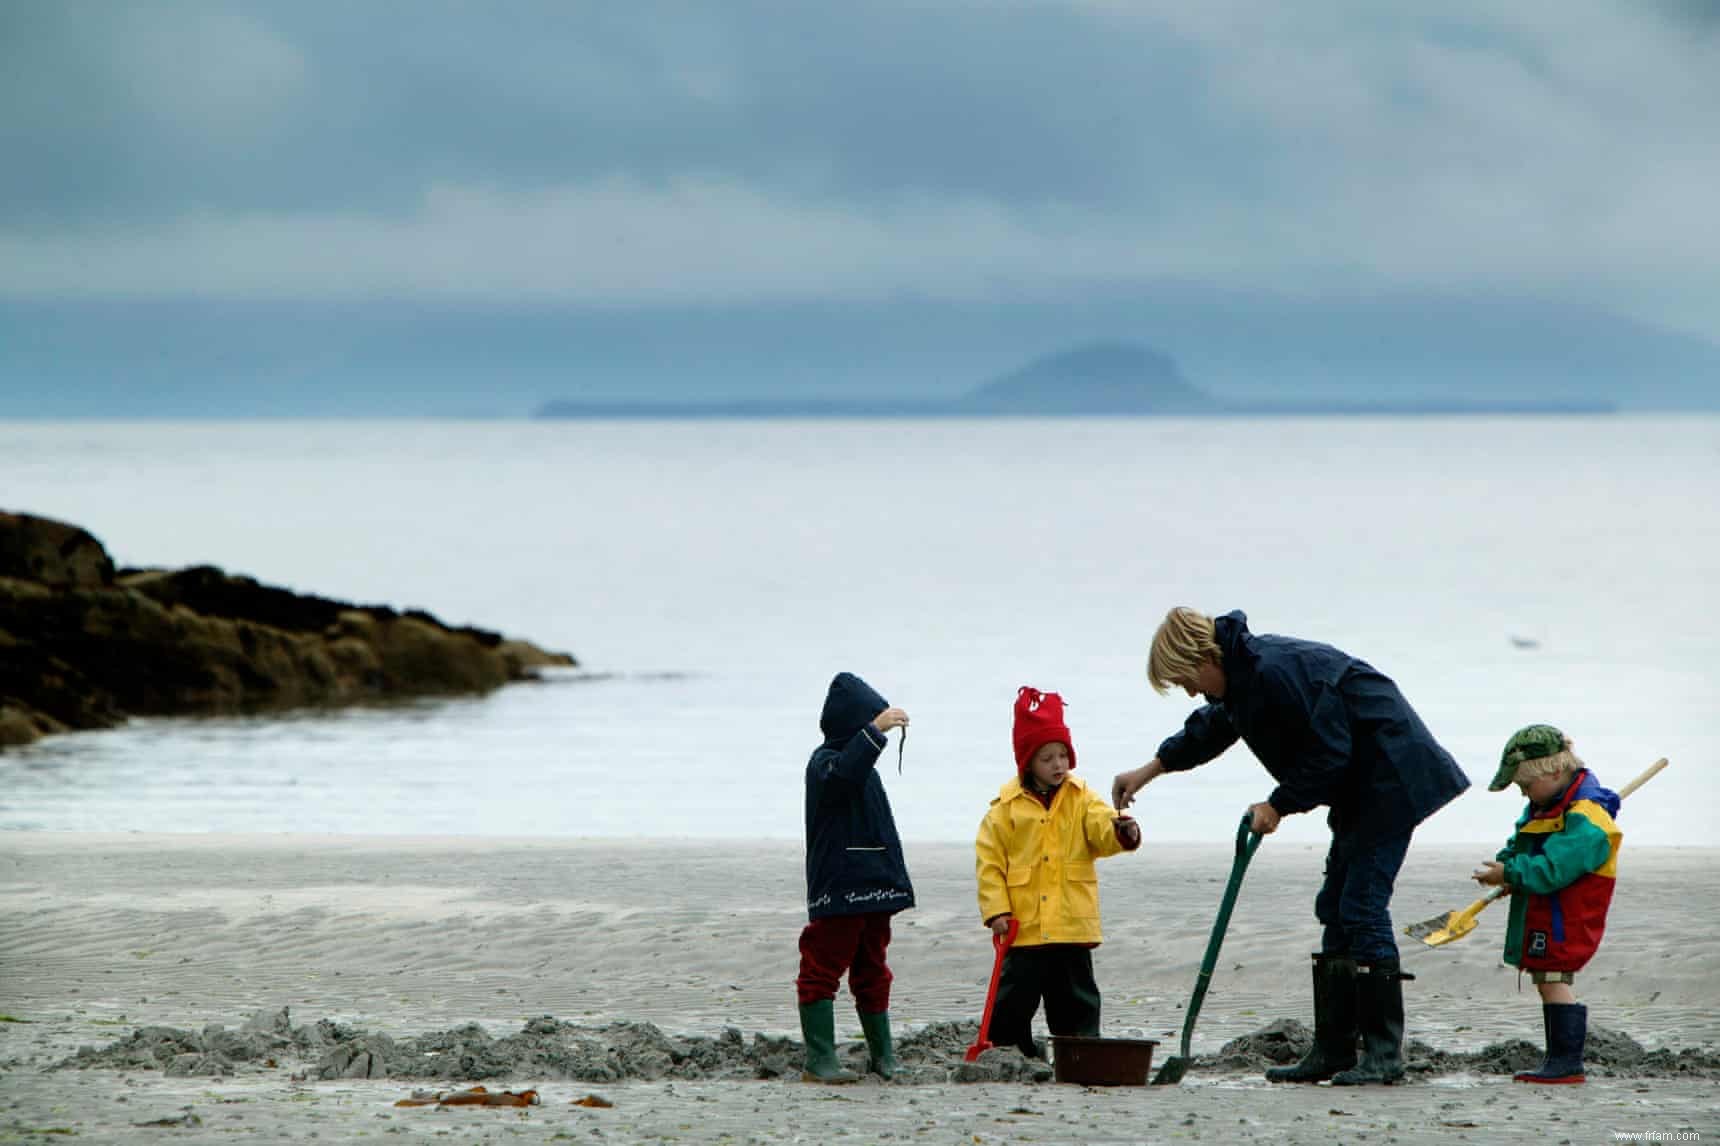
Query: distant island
[(1103, 379)]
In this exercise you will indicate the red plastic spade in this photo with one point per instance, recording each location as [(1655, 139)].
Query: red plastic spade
[(1002, 943)]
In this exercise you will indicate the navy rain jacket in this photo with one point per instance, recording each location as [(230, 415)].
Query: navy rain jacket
[(1331, 729), (853, 856)]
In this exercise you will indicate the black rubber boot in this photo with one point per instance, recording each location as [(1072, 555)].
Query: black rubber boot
[(1334, 1046), (818, 1028), (1567, 1030), (880, 1051), (1379, 1017)]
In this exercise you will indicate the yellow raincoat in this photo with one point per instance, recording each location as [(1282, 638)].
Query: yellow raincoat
[(1036, 863)]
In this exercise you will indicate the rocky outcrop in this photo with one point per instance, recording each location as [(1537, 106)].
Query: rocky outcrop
[(83, 645), (52, 553)]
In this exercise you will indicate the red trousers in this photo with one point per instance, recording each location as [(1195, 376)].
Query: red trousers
[(851, 943)]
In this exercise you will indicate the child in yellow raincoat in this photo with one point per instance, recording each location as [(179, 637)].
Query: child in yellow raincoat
[(1035, 851)]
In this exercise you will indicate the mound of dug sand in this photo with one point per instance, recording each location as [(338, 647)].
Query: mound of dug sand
[(1608, 1053), (548, 1049), (545, 1048)]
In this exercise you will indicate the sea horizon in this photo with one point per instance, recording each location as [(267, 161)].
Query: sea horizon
[(712, 576)]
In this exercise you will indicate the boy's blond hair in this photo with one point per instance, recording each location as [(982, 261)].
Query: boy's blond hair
[(1183, 643), (1561, 763)]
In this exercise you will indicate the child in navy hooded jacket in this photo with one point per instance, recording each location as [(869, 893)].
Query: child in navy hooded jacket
[(856, 879)]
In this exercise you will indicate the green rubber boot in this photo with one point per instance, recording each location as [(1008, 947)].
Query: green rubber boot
[(880, 1051), (818, 1028)]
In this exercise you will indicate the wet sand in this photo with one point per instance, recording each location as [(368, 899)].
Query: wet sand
[(396, 939)]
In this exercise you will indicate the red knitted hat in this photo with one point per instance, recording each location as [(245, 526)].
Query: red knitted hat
[(1038, 721)]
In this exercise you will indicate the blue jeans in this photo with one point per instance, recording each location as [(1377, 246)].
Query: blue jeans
[(1354, 903)]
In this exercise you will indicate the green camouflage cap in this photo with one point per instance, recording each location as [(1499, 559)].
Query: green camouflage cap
[(1531, 743)]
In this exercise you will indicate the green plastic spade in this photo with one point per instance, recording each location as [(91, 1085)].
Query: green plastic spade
[(1247, 839)]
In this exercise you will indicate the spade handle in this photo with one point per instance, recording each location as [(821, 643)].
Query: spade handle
[(1648, 774)]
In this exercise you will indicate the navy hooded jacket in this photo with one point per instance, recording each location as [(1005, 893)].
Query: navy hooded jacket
[(853, 856), (1330, 729)]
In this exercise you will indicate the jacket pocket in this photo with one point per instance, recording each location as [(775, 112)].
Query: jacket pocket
[(1081, 891), (868, 864), (1023, 904)]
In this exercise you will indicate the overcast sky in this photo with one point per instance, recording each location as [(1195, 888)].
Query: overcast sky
[(636, 155), (350, 202)]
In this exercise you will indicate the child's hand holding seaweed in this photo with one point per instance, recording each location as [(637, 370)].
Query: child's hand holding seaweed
[(890, 718)]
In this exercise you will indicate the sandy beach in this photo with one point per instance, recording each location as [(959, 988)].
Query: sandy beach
[(354, 956)]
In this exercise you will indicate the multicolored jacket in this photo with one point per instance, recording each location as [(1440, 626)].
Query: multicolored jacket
[(1560, 867), (1036, 863)]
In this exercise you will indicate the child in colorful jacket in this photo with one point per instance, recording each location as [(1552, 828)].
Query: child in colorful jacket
[(1035, 854), (1560, 866)]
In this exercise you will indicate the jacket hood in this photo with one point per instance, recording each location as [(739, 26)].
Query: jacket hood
[(1587, 787), (1583, 787), (849, 706), (1231, 633)]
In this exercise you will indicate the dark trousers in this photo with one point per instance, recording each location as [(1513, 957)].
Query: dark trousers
[(1354, 903), (846, 943), (1059, 973)]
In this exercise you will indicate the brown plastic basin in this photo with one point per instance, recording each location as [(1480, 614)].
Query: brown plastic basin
[(1101, 1062)]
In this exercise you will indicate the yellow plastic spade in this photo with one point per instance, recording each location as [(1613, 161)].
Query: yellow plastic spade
[(1443, 929)]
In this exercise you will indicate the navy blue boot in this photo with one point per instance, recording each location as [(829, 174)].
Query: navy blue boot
[(1567, 1030)]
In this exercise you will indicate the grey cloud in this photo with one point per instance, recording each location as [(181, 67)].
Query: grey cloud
[(1015, 102), (664, 153)]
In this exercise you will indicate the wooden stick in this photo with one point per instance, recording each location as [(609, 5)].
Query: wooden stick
[(1648, 774)]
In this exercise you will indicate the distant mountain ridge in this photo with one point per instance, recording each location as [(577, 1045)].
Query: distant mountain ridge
[(1100, 378), (1253, 354), (1092, 380)]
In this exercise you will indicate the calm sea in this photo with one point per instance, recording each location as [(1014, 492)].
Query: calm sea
[(711, 576)]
